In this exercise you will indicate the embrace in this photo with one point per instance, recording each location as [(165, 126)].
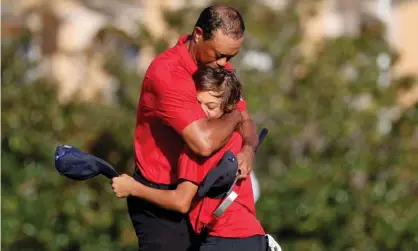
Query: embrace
[(190, 113)]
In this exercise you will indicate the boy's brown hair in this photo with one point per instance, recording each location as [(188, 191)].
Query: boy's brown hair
[(217, 79)]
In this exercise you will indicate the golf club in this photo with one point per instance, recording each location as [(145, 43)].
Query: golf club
[(231, 195)]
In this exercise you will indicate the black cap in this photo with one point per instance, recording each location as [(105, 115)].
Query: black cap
[(219, 180), (78, 165)]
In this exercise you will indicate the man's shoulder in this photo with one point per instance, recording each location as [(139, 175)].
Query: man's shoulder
[(168, 69), (169, 59), (163, 61), (167, 64)]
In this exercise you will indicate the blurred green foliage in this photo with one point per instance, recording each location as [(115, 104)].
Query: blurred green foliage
[(338, 170), (42, 210)]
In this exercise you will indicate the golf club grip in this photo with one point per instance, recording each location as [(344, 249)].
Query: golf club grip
[(263, 133)]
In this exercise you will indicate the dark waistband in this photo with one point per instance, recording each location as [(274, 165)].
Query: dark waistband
[(141, 179), (211, 237)]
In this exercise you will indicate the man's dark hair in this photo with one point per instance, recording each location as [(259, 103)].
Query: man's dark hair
[(215, 17), (218, 79)]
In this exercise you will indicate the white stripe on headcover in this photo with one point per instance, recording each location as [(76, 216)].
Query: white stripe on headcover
[(225, 204)]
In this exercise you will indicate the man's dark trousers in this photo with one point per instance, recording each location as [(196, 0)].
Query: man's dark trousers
[(158, 229)]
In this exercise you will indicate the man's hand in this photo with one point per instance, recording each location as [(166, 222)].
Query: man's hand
[(123, 185), (248, 132), (245, 161)]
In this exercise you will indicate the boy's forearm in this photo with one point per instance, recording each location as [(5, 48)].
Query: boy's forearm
[(167, 199)]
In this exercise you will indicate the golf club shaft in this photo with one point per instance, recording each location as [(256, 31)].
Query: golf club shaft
[(263, 133)]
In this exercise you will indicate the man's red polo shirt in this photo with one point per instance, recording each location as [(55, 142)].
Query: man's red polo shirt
[(167, 105), (239, 220)]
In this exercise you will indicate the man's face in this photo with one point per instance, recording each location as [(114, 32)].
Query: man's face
[(218, 50)]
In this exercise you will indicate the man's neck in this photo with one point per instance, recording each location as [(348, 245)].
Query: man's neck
[(191, 47)]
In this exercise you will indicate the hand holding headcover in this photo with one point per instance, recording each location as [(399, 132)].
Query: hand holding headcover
[(78, 165), (220, 180)]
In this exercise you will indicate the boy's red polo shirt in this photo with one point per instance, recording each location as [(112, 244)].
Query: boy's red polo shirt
[(239, 220), (167, 105)]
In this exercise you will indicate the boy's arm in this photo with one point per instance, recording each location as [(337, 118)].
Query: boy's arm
[(178, 200)]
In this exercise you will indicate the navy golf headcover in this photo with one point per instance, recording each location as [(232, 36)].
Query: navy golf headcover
[(218, 180), (78, 165)]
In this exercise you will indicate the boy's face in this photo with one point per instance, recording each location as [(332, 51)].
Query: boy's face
[(211, 103)]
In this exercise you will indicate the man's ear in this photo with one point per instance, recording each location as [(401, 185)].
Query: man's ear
[(197, 34)]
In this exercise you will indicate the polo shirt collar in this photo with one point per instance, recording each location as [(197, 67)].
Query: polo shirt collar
[(185, 54)]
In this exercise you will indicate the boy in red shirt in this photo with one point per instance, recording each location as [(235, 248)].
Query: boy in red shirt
[(218, 91)]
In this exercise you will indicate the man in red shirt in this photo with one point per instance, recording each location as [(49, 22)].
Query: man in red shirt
[(238, 228), (170, 117)]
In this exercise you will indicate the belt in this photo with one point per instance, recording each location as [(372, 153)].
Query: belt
[(141, 179)]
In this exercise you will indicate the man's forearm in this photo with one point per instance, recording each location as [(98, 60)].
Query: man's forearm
[(220, 130), (248, 131), (206, 136)]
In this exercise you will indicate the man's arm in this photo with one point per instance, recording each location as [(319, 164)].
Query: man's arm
[(245, 158), (178, 200), (215, 133), (178, 107), (206, 136), (248, 131)]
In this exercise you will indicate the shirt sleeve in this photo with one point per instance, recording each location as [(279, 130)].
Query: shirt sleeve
[(190, 166), (229, 66), (242, 105), (176, 99)]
